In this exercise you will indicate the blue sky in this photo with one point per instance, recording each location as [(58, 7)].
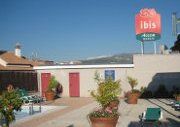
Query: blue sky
[(77, 29)]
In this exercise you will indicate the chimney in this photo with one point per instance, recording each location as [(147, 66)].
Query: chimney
[(18, 50)]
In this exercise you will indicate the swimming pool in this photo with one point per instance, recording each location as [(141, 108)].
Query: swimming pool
[(25, 112)]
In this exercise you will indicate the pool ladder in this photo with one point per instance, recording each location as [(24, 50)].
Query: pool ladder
[(31, 108)]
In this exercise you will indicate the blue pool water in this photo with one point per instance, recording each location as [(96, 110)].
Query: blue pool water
[(25, 112)]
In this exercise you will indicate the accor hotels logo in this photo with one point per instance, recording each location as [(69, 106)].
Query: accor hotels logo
[(148, 25)]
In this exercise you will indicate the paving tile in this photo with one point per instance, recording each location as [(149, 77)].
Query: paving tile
[(78, 108)]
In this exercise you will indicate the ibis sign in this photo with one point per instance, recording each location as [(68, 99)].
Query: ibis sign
[(148, 25)]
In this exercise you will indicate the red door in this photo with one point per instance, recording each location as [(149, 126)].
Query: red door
[(45, 78), (74, 84)]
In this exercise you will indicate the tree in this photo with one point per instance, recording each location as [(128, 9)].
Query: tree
[(176, 47)]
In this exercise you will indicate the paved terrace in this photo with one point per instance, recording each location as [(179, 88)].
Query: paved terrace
[(75, 115)]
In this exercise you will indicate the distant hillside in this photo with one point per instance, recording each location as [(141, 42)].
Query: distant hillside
[(115, 59)]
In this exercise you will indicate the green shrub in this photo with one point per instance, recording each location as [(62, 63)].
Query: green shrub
[(9, 101), (135, 91), (108, 112), (132, 82), (175, 91), (52, 83), (145, 93), (161, 92), (107, 91)]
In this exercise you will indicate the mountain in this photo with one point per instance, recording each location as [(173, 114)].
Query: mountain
[(115, 59)]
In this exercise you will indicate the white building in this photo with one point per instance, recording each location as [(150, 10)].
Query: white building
[(78, 80)]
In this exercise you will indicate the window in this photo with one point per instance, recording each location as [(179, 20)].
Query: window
[(110, 74)]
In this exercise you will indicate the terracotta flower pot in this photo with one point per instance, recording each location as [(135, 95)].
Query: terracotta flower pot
[(49, 95), (103, 122), (133, 98)]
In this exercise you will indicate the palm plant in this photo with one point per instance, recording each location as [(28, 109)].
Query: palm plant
[(133, 83)]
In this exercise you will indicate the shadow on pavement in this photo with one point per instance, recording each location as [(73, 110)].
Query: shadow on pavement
[(173, 122), (138, 124), (71, 125), (168, 104), (163, 108)]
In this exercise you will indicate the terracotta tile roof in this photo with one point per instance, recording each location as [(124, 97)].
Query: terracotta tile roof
[(2, 67), (15, 63), (18, 63), (35, 63), (11, 58)]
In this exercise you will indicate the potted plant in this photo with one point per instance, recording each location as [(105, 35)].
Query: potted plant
[(9, 102), (50, 93), (134, 94), (107, 92), (145, 93), (177, 97)]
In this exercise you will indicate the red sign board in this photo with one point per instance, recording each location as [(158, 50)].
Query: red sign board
[(148, 25)]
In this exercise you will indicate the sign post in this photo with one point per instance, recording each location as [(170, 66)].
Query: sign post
[(148, 27), (155, 47), (142, 47)]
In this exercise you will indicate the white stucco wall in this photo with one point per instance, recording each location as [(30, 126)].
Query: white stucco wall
[(150, 70), (87, 82)]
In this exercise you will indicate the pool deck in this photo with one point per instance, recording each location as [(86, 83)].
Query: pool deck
[(71, 103), (75, 114)]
